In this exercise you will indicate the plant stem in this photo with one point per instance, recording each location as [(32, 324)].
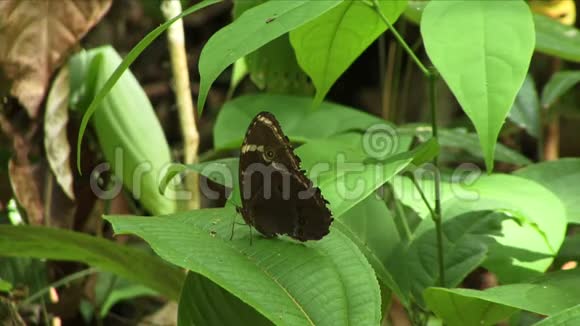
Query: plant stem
[(423, 197), (63, 281), (437, 214), (399, 38), (432, 76), (182, 89)]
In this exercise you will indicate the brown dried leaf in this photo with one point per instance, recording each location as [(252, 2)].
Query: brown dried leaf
[(36, 36), (26, 180), (55, 132)]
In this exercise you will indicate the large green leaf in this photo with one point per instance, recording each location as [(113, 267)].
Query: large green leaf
[(528, 243), (57, 244), (569, 317), (562, 177), (327, 282), (327, 46), (415, 265), (299, 122), (369, 225), (253, 29), (128, 131), (557, 39), (124, 65), (548, 295), (273, 67), (482, 50), (203, 302), (560, 83), (526, 110)]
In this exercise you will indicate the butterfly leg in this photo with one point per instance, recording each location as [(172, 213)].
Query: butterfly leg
[(233, 225), (250, 234)]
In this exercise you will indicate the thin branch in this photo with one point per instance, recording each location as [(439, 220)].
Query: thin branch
[(182, 89)]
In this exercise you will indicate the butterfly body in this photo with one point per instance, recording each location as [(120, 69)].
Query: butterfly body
[(277, 198)]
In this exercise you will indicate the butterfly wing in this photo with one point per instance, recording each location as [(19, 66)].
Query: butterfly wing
[(277, 197)]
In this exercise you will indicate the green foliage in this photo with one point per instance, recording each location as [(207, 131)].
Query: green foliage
[(513, 225), (124, 65), (206, 303), (136, 157), (526, 109), (253, 29), (548, 295), (560, 83), (299, 122), (466, 237), (330, 281), (326, 46), (273, 67), (562, 178), (461, 40), (49, 243), (527, 244), (556, 39)]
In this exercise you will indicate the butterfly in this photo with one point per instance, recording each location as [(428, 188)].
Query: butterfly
[(277, 197)]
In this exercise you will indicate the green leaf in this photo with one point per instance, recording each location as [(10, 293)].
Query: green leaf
[(24, 271), (273, 67), (203, 302), (482, 50), (528, 243), (111, 289), (557, 39), (135, 157), (253, 29), (570, 316), (526, 110), (328, 45), (369, 225), (57, 244), (560, 83), (415, 265), (460, 138), (562, 178), (548, 295), (298, 121), (5, 286), (131, 56), (327, 282)]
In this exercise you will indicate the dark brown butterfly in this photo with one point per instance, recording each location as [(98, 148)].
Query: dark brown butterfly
[(277, 198)]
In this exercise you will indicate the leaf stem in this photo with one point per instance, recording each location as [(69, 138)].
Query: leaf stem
[(423, 197), (63, 281), (377, 8), (437, 214), (432, 75)]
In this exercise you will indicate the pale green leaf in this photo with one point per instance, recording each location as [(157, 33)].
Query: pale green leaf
[(328, 45), (548, 295), (482, 49), (562, 177), (528, 243)]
